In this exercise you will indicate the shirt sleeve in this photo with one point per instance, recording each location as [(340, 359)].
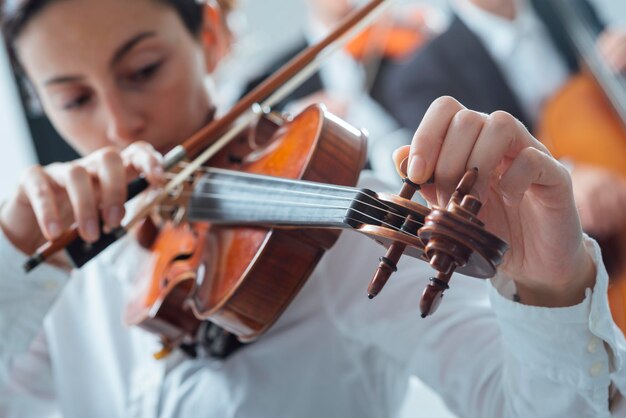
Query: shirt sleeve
[(24, 301), (486, 356), (577, 348)]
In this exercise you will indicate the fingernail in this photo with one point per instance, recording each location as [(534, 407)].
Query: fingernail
[(54, 230), (417, 166), (114, 216), (93, 229)]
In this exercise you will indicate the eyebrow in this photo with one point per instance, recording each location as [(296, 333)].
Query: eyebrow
[(119, 54), (130, 44)]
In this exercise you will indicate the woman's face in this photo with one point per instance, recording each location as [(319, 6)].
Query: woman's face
[(114, 72)]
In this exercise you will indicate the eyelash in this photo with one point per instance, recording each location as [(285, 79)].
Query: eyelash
[(77, 103), (146, 72), (143, 75)]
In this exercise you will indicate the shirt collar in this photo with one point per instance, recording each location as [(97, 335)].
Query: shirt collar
[(500, 36)]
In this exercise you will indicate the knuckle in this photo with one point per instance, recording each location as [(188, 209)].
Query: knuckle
[(446, 102), (84, 208), (143, 145), (139, 147), (41, 190), (501, 120), (31, 173), (112, 196), (109, 156), (533, 155), (466, 119), (531, 158), (76, 172)]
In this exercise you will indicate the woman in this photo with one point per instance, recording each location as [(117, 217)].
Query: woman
[(122, 82)]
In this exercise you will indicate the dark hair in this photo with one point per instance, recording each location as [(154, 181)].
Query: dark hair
[(15, 14)]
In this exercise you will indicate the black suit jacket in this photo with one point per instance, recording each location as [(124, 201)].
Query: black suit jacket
[(457, 64)]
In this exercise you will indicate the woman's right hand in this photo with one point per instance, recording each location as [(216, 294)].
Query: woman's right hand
[(87, 191)]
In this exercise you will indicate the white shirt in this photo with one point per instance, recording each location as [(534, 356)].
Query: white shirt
[(522, 49), (65, 352)]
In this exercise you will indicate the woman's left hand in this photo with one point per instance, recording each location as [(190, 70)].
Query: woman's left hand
[(527, 196)]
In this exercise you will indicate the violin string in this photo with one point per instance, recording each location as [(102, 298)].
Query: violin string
[(235, 174), (341, 219), (389, 212), (279, 180), (302, 204)]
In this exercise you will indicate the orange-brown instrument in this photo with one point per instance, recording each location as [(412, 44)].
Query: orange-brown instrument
[(390, 37), (586, 122), (241, 274), (249, 218)]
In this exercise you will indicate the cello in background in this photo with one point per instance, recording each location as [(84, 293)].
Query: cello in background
[(585, 122)]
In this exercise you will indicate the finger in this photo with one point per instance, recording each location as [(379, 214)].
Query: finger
[(80, 190), (501, 136), (456, 149), (111, 174), (429, 137), (143, 158), (534, 170), (38, 187), (400, 160)]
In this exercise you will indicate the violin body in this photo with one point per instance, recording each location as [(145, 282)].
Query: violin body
[(580, 123), (245, 283)]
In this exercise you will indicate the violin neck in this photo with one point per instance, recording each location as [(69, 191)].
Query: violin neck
[(227, 197)]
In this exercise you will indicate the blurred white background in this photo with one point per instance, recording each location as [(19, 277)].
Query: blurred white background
[(268, 27)]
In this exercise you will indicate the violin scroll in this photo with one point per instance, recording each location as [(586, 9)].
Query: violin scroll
[(443, 250), (452, 239), (388, 262)]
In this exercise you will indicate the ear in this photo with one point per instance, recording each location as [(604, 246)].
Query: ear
[(216, 36)]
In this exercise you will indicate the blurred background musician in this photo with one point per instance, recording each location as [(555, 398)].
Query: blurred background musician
[(489, 57), (349, 83)]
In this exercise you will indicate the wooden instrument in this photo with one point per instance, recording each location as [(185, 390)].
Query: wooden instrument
[(586, 122), (390, 37), (219, 254), (232, 270)]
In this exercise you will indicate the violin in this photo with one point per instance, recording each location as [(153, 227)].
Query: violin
[(585, 121), (287, 196), (275, 188)]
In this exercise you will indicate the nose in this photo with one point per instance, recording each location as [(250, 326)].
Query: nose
[(124, 123)]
